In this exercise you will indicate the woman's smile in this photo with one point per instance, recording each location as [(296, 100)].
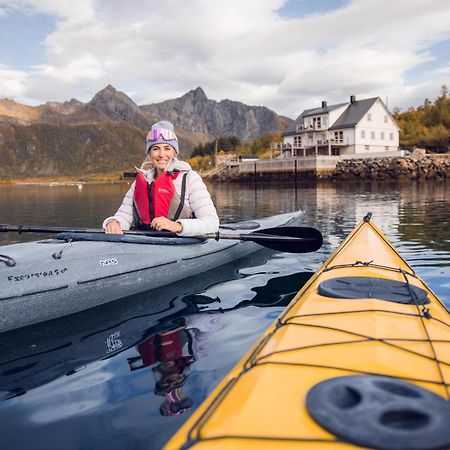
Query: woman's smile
[(161, 154)]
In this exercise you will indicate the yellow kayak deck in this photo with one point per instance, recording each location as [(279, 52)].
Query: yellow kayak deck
[(262, 402)]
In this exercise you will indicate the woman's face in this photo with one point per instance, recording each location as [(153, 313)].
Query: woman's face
[(160, 155)]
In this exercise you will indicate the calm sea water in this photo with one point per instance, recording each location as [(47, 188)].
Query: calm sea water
[(128, 374)]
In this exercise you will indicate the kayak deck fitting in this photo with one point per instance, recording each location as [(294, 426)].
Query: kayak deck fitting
[(360, 358)]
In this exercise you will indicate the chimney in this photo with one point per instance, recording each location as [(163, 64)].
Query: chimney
[(352, 99), (324, 104)]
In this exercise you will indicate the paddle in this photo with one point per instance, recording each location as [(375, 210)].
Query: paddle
[(285, 239)]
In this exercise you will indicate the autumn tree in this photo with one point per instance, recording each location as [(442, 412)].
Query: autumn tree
[(428, 125)]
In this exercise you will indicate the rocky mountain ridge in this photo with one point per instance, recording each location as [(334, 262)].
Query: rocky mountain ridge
[(108, 105), (194, 111)]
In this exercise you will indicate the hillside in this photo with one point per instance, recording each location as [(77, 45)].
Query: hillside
[(48, 150)]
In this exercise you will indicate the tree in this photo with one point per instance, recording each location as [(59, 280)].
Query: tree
[(266, 139), (204, 149), (428, 125)]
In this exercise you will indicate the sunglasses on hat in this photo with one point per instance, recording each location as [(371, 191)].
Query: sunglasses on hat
[(167, 135)]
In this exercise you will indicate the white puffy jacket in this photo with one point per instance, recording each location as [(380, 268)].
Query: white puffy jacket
[(197, 199)]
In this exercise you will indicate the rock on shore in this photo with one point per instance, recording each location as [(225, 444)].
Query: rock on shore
[(428, 166)]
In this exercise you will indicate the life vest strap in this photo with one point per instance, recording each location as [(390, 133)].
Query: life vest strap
[(150, 201), (182, 197)]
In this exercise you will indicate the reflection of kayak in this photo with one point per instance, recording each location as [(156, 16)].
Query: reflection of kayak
[(52, 278), (65, 346), (46, 351), (360, 357)]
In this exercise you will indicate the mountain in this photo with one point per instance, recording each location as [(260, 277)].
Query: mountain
[(108, 105), (108, 132), (111, 105), (194, 111), (50, 112)]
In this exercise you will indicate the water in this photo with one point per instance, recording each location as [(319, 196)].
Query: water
[(128, 374)]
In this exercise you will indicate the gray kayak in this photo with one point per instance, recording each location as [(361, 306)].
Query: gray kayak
[(57, 277)]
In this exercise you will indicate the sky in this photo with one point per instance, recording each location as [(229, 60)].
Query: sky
[(288, 55)]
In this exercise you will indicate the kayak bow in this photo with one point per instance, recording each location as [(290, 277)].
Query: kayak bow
[(52, 278), (360, 358)]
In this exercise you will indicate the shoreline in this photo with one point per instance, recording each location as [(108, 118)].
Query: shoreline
[(63, 180), (409, 168)]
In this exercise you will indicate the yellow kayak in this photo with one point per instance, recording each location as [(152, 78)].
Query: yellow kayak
[(360, 358)]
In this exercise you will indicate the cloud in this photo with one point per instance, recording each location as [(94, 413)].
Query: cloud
[(54, 82), (75, 11), (241, 50), (12, 82)]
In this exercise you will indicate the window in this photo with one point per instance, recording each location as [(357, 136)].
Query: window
[(386, 148), (339, 136), (363, 134), (369, 117), (317, 122), (382, 135), (372, 135), (297, 141), (367, 147), (385, 119), (391, 136)]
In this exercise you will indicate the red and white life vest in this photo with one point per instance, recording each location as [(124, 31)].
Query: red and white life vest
[(159, 199), (166, 346)]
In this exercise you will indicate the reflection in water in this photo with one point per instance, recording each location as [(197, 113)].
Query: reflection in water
[(130, 372), (170, 352), (420, 220), (335, 208), (171, 336), (412, 208), (164, 344)]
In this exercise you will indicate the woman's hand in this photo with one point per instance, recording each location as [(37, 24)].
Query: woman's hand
[(113, 227), (163, 223)]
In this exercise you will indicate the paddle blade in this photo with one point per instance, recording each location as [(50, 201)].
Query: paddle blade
[(289, 239)]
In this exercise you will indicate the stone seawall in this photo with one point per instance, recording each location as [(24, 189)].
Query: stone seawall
[(429, 166), (392, 168)]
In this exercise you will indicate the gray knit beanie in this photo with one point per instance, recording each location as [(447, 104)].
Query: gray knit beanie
[(162, 133)]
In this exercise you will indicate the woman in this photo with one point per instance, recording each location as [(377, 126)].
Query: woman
[(167, 194)]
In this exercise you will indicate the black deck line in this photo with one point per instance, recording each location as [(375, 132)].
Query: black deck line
[(34, 293), (210, 253)]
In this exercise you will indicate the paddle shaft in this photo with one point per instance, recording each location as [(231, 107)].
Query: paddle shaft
[(274, 238)]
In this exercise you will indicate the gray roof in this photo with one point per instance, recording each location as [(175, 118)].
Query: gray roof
[(249, 156), (317, 111), (353, 114), (310, 112)]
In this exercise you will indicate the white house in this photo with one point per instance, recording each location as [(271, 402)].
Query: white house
[(359, 127)]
